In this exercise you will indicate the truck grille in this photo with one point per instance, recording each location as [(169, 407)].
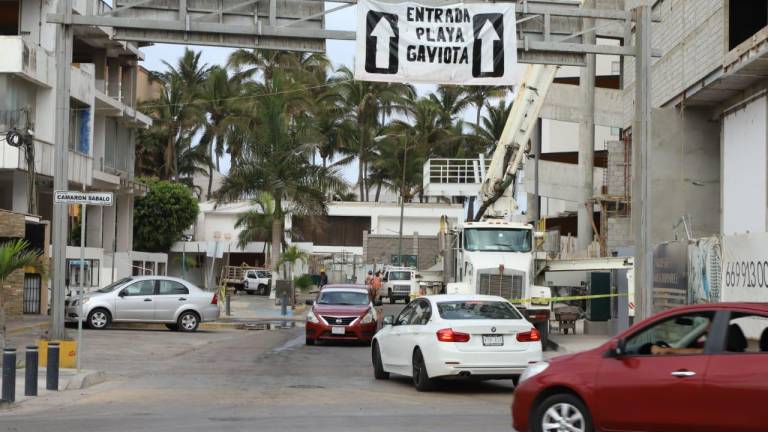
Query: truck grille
[(331, 320), (507, 286)]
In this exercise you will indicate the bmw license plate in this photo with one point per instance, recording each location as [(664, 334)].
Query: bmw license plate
[(338, 330), (493, 340)]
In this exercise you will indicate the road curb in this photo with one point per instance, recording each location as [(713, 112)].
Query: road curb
[(85, 379)]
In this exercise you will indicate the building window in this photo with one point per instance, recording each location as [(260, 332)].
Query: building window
[(9, 18), (79, 127), (74, 273), (137, 268), (745, 18)]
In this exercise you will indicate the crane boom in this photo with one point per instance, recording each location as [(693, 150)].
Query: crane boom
[(513, 143)]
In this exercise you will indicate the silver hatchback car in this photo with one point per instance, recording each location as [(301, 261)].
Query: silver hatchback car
[(175, 302)]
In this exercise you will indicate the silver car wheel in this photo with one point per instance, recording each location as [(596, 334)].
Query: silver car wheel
[(563, 417), (189, 321), (98, 319)]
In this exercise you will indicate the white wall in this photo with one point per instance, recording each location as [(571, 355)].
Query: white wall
[(744, 169)]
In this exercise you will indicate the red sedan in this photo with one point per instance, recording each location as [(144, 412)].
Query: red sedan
[(693, 368), (342, 312)]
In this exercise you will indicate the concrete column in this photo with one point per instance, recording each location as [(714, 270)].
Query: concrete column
[(94, 225), (19, 202), (587, 138), (113, 77), (124, 222)]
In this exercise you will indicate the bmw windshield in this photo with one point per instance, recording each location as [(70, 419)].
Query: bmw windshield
[(497, 240)]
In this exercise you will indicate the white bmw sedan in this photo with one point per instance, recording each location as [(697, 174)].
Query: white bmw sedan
[(455, 336)]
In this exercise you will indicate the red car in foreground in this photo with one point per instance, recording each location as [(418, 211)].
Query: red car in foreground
[(342, 312), (693, 368)]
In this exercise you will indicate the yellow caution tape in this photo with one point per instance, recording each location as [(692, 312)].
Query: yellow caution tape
[(546, 300)]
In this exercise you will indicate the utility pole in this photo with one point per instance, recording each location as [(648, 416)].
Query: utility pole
[(402, 201), (587, 137), (641, 155), (60, 171)]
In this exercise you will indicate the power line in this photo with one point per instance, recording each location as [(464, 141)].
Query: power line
[(224, 99)]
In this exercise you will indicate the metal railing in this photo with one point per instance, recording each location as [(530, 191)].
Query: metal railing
[(455, 171)]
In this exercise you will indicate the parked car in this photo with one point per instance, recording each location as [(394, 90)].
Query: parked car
[(472, 336), (398, 283), (257, 282), (698, 368), (342, 312), (175, 302)]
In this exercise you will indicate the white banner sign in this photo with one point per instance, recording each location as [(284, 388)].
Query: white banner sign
[(745, 267), (461, 43), (87, 198)]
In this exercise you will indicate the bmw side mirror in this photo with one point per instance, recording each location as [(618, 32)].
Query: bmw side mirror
[(121, 294), (378, 303), (309, 302), (388, 320)]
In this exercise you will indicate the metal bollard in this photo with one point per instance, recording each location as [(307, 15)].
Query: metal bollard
[(228, 303), (30, 372), (9, 375), (52, 371)]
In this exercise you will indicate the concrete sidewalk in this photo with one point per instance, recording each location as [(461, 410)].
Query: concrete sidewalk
[(69, 379), (573, 343)]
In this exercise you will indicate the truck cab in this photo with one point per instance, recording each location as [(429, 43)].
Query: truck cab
[(398, 283), (257, 281), (496, 257)]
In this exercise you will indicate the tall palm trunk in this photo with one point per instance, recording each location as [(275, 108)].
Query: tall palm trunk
[(210, 181), (360, 178)]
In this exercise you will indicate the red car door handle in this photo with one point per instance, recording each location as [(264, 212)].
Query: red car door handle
[(683, 373)]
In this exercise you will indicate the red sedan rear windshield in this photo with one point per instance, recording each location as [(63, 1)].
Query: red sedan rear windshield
[(477, 310), (344, 298)]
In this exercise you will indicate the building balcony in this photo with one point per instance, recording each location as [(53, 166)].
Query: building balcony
[(82, 85), (454, 177), (558, 180), (80, 165), (27, 61)]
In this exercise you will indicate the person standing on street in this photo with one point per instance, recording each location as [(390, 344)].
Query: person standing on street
[(323, 278), (376, 285), (369, 278)]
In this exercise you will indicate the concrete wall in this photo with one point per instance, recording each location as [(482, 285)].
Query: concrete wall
[(378, 249), (692, 38), (685, 173)]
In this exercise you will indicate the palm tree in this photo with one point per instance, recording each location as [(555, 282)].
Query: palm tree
[(451, 103), (174, 114), (256, 224), (15, 255), (288, 259), (367, 105), (489, 132), (217, 92), (277, 160), (479, 95)]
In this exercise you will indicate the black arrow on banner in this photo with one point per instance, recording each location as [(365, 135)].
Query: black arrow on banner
[(382, 41), (488, 47)]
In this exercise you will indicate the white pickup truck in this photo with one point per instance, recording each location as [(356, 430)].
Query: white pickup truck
[(398, 283), (257, 282)]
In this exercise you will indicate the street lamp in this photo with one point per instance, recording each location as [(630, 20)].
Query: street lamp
[(402, 188)]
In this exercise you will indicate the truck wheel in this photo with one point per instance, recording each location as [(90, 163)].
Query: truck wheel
[(251, 292), (262, 289)]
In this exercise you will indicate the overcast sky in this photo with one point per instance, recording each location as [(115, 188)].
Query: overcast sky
[(339, 52)]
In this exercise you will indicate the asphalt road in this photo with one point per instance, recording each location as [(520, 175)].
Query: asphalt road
[(246, 380)]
